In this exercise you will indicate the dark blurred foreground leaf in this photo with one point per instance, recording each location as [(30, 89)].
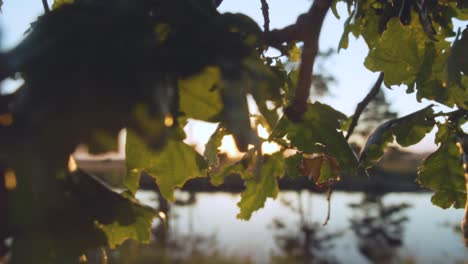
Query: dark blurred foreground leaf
[(88, 216), (120, 217)]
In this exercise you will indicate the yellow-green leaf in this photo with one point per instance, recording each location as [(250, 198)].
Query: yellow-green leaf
[(171, 166), (59, 3), (259, 189), (200, 96), (398, 53)]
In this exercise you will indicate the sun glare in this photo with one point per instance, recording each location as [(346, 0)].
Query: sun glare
[(228, 146), (267, 147), (72, 166), (270, 147), (10, 179)]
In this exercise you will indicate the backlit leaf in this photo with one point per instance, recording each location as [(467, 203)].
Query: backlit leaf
[(211, 147), (319, 133), (322, 169), (294, 54), (171, 166), (240, 168), (399, 65), (408, 130), (292, 165), (259, 189), (442, 172), (139, 229), (59, 3), (200, 97), (413, 128)]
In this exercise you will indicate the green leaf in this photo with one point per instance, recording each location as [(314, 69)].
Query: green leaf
[(59, 3), (430, 78), (398, 53), (326, 172), (457, 62), (139, 229), (171, 166), (258, 190), (217, 178), (240, 168), (408, 130), (294, 54), (442, 172), (211, 147), (334, 9), (413, 128), (445, 199), (291, 164), (363, 21), (200, 96), (318, 133)]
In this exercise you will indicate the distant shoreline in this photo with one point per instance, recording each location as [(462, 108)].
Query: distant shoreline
[(381, 181)]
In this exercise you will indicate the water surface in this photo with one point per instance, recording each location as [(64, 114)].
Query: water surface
[(428, 236)]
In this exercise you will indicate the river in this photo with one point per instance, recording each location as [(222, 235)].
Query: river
[(401, 227)]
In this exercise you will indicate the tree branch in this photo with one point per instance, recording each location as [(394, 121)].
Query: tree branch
[(218, 2), (266, 16), (307, 29), (363, 104), (46, 6)]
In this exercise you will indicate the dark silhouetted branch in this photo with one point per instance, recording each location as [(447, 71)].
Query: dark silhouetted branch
[(218, 2), (307, 29), (46, 6), (266, 16), (363, 104)]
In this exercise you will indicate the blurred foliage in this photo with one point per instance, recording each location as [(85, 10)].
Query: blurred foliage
[(94, 67)]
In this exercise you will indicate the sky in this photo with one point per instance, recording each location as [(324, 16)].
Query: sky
[(353, 79)]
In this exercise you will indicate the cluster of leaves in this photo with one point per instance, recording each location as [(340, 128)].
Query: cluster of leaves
[(94, 67), (428, 64)]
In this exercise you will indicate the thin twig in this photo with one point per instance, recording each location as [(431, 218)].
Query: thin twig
[(46, 6), (363, 104), (104, 258), (266, 16), (329, 193)]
